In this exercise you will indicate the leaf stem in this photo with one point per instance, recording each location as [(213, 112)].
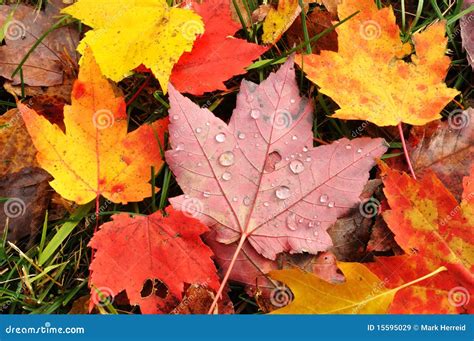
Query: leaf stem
[(405, 150), (243, 238)]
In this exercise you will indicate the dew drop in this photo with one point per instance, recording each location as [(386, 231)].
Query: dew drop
[(266, 204), (294, 137), (292, 101), (318, 223), (315, 233), (255, 135), (305, 149), (310, 224), (226, 159), (180, 146), (296, 166), (241, 136), (234, 199), (198, 130), (368, 154), (331, 204), (246, 201), (308, 159), (226, 176), (348, 146), (359, 151), (220, 137), (175, 117), (283, 192), (255, 114), (291, 222), (199, 164), (301, 220), (323, 198), (206, 194), (186, 196)]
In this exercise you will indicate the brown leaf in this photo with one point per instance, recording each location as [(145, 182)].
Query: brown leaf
[(28, 194), (447, 148), (46, 64), (17, 149), (316, 22), (198, 300)]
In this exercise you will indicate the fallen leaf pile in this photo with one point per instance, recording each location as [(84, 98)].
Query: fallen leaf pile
[(201, 150)]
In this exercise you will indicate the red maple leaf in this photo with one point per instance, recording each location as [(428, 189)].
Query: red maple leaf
[(216, 55), (132, 250)]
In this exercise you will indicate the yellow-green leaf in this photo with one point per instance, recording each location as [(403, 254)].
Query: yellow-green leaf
[(129, 33)]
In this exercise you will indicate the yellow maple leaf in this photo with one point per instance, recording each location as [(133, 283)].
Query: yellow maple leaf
[(368, 78), (129, 33), (362, 292), (96, 156), (279, 20)]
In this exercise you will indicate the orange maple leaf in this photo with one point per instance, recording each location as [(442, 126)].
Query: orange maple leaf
[(428, 221), (95, 155), (368, 77)]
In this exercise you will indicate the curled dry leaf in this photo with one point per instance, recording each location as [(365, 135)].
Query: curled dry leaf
[(96, 156), (259, 177), (446, 148), (22, 26), (369, 79), (132, 250)]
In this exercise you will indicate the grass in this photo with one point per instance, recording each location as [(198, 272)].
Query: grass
[(52, 274)]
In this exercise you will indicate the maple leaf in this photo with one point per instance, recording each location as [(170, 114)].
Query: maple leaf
[(132, 250), (21, 26), (426, 218), (438, 295), (369, 80), (446, 148), (259, 178), (96, 156), (129, 33), (279, 20), (362, 292), (216, 55)]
